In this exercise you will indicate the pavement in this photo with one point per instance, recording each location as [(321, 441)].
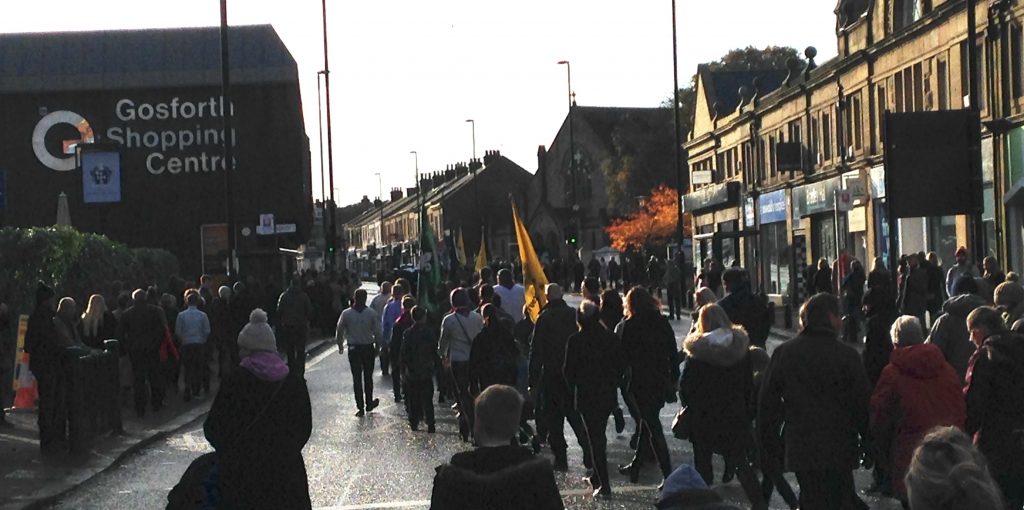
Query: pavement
[(352, 463), (29, 479)]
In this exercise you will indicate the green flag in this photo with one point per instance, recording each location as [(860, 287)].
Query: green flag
[(428, 276)]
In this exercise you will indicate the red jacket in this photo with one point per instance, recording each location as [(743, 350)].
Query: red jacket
[(916, 392)]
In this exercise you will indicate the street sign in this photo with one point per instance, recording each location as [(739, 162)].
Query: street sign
[(857, 189), (266, 225), (284, 228), (701, 177)]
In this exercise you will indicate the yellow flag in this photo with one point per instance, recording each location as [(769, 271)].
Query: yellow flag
[(481, 258), (534, 278), (460, 249)]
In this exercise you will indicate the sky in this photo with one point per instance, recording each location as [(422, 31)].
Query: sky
[(406, 74)]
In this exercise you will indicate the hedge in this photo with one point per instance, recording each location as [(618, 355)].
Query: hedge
[(75, 264)]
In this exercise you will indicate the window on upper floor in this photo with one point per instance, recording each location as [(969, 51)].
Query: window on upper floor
[(942, 79), (858, 122), (826, 136), (906, 12), (1016, 54)]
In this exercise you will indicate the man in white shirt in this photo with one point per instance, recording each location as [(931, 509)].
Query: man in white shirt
[(359, 328), (513, 295), (458, 329)]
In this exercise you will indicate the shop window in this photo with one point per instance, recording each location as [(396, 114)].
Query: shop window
[(776, 257)]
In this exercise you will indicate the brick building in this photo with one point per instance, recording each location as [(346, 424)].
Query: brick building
[(770, 153)]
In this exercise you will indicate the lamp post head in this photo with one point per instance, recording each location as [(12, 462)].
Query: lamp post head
[(561, 62), (471, 120)]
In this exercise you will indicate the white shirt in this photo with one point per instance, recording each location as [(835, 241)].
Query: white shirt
[(379, 301), (457, 334), (512, 300), (358, 327)]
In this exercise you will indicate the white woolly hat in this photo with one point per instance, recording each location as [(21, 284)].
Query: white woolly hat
[(257, 334)]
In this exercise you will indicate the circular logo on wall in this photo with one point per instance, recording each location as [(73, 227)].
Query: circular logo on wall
[(66, 161)]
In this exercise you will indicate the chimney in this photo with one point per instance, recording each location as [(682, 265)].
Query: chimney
[(396, 194), (490, 156), (410, 192), (475, 164)]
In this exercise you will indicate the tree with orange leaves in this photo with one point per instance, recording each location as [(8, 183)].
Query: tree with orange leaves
[(654, 224)]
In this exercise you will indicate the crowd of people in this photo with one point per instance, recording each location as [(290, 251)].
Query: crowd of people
[(932, 406), (171, 341)]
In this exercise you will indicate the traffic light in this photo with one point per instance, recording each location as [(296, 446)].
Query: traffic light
[(570, 237)]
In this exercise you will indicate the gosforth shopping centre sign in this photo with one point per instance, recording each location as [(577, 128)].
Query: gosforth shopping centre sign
[(177, 150)]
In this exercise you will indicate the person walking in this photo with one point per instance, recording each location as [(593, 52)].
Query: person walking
[(994, 393), (97, 324), (914, 289), (592, 368), (961, 268), (222, 342), (936, 285), (359, 329), (294, 311), (142, 329), (853, 297), (555, 324), (43, 344), (917, 392), (458, 329), (947, 471), (192, 328), (392, 310), (402, 324), (880, 283), (949, 333), (513, 295), (614, 274), (823, 278), (649, 353), (994, 275), (673, 281), (817, 387), (493, 355), (743, 307), (716, 390), (258, 424), (419, 362)]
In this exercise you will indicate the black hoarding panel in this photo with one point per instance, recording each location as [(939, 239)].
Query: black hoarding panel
[(932, 164)]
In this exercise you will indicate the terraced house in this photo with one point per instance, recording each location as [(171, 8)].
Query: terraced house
[(787, 166)]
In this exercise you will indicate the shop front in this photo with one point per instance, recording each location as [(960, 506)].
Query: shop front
[(1013, 200), (716, 219)]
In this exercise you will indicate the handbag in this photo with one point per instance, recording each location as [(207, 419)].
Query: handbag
[(681, 425)]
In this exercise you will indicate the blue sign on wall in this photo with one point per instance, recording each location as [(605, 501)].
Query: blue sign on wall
[(101, 177), (772, 207)]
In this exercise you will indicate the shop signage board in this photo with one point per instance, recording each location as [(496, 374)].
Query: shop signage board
[(266, 225), (772, 207), (814, 198)]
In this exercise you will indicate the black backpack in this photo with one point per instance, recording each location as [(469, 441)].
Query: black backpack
[(759, 319)]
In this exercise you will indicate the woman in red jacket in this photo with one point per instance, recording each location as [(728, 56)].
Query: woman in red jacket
[(917, 391)]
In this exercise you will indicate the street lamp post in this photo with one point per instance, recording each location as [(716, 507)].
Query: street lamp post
[(229, 139), (680, 178), (380, 198), (330, 153), (572, 152), (320, 126), (473, 125), (419, 193)]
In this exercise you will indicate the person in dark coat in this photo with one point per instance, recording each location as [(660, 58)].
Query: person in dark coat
[(817, 387), (716, 389), (141, 331), (994, 393), (994, 275), (555, 324), (880, 315), (936, 285), (223, 339), (914, 289), (881, 283), (649, 353), (823, 278), (743, 308), (259, 423), (592, 367), (43, 345), (419, 362), (493, 358), (294, 312), (496, 475), (853, 297), (917, 392), (949, 332)]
